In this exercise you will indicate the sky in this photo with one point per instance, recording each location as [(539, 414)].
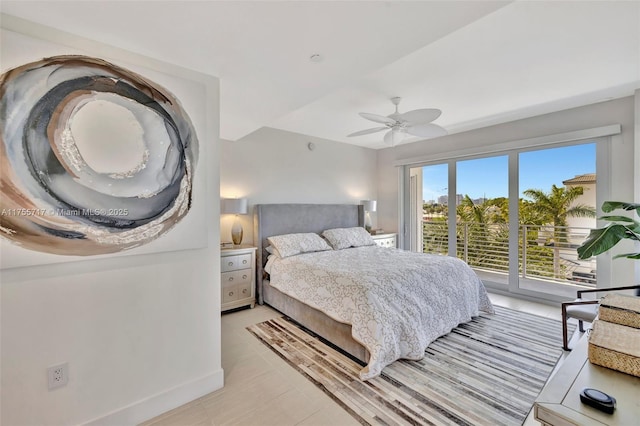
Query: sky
[(488, 177)]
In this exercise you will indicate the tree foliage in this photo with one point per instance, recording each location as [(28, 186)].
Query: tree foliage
[(554, 207), (619, 228), (483, 234)]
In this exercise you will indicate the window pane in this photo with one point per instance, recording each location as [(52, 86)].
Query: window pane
[(536, 253), (556, 212), (430, 220), (482, 227)]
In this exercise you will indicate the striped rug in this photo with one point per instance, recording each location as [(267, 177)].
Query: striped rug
[(485, 372)]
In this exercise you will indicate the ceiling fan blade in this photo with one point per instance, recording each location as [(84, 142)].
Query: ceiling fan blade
[(378, 118), (367, 131), (393, 137), (426, 130), (421, 116)]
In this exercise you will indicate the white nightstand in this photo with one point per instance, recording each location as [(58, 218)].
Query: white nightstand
[(238, 283), (386, 240)]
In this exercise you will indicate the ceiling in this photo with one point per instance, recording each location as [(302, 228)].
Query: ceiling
[(480, 62)]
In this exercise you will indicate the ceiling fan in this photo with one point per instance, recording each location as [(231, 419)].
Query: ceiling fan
[(415, 123)]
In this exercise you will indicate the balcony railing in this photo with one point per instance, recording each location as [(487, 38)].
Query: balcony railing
[(545, 252)]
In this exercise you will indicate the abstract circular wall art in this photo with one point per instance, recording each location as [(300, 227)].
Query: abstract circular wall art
[(94, 158)]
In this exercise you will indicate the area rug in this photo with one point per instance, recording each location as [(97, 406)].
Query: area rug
[(485, 372)]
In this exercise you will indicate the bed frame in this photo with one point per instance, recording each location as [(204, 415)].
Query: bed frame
[(279, 219)]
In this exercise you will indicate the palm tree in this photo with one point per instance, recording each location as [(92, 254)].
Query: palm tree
[(468, 211), (554, 208), (481, 229)]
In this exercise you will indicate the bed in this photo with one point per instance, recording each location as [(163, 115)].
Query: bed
[(400, 313)]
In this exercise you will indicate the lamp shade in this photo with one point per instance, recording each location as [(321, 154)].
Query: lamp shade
[(369, 205), (234, 206)]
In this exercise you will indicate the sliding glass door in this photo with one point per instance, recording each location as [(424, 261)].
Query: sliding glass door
[(482, 214), (515, 217), (429, 208), (558, 201)]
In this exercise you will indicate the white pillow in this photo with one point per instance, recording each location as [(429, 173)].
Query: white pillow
[(292, 244), (273, 251), (342, 238)]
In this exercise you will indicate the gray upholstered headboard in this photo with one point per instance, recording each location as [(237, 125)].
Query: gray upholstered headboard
[(279, 219)]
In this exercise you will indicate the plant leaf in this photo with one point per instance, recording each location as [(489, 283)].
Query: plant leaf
[(601, 240), (628, 256), (617, 219), (609, 206)]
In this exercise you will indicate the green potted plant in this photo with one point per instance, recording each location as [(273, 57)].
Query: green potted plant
[(619, 228)]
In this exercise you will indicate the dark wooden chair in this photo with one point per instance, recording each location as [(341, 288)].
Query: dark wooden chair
[(584, 310)]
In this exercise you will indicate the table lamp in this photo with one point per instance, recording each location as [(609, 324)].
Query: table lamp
[(236, 206), (369, 206)]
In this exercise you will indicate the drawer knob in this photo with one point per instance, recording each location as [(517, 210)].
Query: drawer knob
[(244, 291), (244, 277), (244, 262), (230, 278), (230, 263), (230, 293)]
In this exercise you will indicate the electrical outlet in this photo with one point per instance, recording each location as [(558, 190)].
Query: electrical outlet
[(58, 376)]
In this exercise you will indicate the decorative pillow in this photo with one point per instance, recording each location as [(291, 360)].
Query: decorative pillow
[(273, 251), (292, 244), (342, 238)]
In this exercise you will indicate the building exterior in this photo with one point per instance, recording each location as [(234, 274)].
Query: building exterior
[(588, 198)]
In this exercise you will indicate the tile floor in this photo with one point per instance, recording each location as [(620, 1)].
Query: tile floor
[(261, 389)]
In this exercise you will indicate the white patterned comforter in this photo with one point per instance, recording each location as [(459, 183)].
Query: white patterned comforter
[(396, 301)]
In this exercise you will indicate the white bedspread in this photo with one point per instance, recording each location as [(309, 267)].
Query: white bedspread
[(397, 302)]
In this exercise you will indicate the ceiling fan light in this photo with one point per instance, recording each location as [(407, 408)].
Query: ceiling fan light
[(393, 137), (416, 123)]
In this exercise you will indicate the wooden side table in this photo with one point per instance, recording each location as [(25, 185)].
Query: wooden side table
[(559, 402), (238, 282)]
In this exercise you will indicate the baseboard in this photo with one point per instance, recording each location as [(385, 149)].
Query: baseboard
[(161, 403)]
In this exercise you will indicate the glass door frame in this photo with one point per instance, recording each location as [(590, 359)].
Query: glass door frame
[(603, 189)]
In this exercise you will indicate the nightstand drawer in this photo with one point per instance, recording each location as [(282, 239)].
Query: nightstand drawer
[(233, 263), (230, 293), (386, 240), (242, 276), (244, 290)]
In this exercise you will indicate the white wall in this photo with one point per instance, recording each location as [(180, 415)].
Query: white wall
[(619, 111), (140, 333), (275, 166)]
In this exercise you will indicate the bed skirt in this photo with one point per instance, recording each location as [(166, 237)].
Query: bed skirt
[(339, 334)]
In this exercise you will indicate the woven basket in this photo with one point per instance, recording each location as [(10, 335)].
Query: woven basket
[(615, 346), (620, 309)]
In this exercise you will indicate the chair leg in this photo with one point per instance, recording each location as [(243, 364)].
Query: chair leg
[(565, 340), (581, 326)]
